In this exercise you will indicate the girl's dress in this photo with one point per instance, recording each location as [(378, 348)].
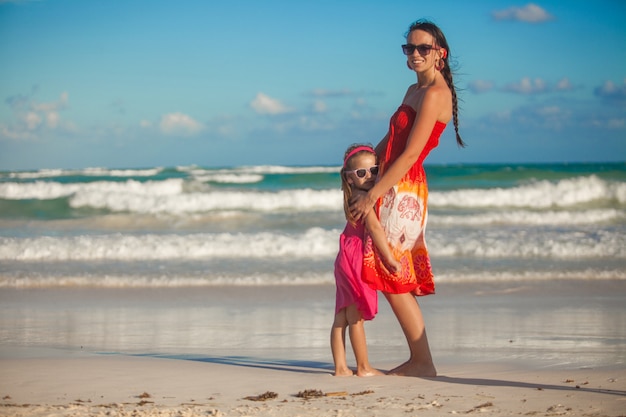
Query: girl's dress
[(403, 213), (348, 267)]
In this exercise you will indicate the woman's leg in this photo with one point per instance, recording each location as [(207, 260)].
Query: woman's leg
[(359, 343), (409, 315), (338, 344)]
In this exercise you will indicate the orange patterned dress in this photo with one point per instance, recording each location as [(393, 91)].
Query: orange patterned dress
[(403, 213)]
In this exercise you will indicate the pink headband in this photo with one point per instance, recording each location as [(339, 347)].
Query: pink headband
[(356, 150)]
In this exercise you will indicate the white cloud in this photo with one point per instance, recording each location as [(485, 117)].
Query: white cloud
[(546, 110), (527, 86), (616, 123), (179, 124), (52, 106), (319, 106), (564, 85), (531, 13), (480, 86), (32, 117), (264, 104), (31, 120), (52, 119), (610, 90)]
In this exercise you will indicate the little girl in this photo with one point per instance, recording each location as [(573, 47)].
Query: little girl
[(355, 300)]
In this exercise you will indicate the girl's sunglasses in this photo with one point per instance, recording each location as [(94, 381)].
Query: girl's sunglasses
[(361, 173), (422, 49)]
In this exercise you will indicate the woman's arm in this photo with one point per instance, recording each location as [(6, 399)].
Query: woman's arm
[(425, 119), (380, 241)]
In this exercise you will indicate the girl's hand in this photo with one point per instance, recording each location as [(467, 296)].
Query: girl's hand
[(392, 265)]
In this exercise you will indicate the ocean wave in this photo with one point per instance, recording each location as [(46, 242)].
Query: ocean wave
[(172, 196), (543, 195), (529, 244), (540, 194), (103, 172), (314, 243), (282, 279), (261, 169), (585, 274), (179, 204), (145, 281), (48, 190), (230, 178), (530, 218), (536, 201)]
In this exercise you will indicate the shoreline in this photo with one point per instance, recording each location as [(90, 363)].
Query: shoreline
[(501, 349)]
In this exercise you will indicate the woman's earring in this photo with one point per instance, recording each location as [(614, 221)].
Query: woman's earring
[(441, 63)]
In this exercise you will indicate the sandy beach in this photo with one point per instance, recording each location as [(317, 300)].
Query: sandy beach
[(502, 349)]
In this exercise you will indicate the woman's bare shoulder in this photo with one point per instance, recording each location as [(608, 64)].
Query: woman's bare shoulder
[(439, 101)]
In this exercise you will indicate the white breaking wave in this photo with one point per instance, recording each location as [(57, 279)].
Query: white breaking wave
[(44, 190), (172, 197), (315, 243), (530, 276), (228, 178), (530, 218), (540, 194), (289, 200), (178, 197), (48, 173), (134, 281), (270, 279), (262, 169), (529, 244)]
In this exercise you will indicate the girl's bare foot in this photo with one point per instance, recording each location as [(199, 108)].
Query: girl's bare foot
[(343, 372), (369, 372), (416, 369)]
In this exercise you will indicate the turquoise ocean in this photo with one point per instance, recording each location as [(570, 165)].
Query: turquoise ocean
[(279, 225)]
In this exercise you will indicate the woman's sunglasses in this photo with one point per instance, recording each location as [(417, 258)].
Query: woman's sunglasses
[(422, 49), (361, 173)]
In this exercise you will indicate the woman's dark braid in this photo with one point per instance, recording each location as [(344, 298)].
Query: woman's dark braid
[(447, 75)]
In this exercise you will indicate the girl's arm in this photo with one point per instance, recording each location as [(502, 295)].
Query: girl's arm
[(380, 241), (434, 99)]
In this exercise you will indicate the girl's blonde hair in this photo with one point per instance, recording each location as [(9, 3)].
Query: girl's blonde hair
[(345, 185)]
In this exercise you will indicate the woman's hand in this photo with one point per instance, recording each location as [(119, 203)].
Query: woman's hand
[(360, 204)]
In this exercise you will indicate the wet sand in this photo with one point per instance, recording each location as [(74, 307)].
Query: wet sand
[(516, 348)]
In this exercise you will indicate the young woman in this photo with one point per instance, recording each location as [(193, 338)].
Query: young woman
[(400, 196)]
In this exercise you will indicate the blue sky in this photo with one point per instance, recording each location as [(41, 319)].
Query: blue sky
[(87, 83)]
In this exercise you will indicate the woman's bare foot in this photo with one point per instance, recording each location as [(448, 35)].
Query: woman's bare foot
[(416, 369), (369, 372), (343, 372)]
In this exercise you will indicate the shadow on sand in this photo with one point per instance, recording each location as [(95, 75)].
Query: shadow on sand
[(316, 367)]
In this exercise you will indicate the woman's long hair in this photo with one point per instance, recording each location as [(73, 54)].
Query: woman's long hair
[(441, 41)]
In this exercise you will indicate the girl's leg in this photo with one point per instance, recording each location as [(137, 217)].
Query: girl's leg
[(338, 344), (409, 315), (358, 342)]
